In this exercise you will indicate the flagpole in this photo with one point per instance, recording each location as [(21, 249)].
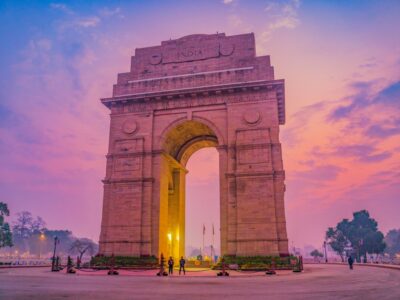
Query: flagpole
[(212, 247), (204, 230)]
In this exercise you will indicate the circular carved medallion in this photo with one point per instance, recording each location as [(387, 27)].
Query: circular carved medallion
[(252, 117), (129, 126), (155, 59), (226, 49)]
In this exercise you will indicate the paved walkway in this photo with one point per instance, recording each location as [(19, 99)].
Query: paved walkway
[(189, 273), (316, 282)]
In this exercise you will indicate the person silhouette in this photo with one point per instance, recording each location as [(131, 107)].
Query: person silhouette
[(182, 266), (350, 260), (170, 265)]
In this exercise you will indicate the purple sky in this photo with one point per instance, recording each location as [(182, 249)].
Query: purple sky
[(341, 142)]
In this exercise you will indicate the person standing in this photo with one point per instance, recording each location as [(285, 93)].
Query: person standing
[(182, 266), (170, 266), (350, 260)]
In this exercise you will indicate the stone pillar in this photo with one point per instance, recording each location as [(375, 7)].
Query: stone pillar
[(224, 196), (257, 232)]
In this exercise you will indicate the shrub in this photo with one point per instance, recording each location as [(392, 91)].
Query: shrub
[(259, 262), (125, 261)]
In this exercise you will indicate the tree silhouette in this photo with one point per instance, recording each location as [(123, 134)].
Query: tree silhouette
[(83, 245), (316, 254), (361, 234), (392, 240), (5, 232)]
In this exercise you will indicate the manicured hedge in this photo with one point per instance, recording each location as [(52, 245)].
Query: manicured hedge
[(259, 262), (125, 261)]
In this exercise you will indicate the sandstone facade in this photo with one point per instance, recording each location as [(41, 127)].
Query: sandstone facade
[(185, 94)]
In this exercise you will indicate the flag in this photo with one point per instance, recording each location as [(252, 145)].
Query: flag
[(213, 228), (204, 229)]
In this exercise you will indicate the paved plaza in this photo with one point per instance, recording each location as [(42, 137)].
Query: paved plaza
[(316, 282)]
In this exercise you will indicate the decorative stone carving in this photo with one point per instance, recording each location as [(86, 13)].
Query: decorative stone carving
[(156, 59), (252, 117), (129, 126), (226, 49)]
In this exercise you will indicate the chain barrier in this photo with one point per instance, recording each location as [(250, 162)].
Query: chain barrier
[(137, 270), (193, 271), (296, 267), (91, 270)]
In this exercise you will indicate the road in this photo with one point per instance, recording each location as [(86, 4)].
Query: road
[(316, 282)]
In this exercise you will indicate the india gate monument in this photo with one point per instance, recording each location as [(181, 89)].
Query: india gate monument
[(178, 97)]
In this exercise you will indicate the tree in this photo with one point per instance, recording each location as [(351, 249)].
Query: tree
[(361, 234), (22, 227), (83, 245), (392, 240), (316, 254), (38, 225), (364, 235), (5, 232), (336, 238)]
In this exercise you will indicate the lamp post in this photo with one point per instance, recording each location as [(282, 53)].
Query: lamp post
[(53, 262), (42, 237), (326, 256)]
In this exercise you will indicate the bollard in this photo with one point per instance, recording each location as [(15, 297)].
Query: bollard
[(70, 266), (58, 264), (271, 270), (298, 267), (54, 268), (112, 270), (54, 264), (223, 272), (78, 262), (301, 263), (162, 270)]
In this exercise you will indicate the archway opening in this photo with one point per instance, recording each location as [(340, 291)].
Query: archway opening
[(203, 204), (179, 144)]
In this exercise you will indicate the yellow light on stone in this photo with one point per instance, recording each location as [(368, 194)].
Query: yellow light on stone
[(169, 236), (177, 237)]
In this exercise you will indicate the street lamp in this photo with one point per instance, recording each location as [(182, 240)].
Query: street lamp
[(42, 237), (326, 256), (53, 262)]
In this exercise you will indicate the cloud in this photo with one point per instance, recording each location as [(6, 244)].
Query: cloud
[(361, 152), (235, 21), (373, 111), (383, 131), (227, 2), (390, 95), (109, 12), (342, 153), (364, 153), (320, 173), (62, 7), (73, 20), (86, 22), (365, 98), (283, 15)]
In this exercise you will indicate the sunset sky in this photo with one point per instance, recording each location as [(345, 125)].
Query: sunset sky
[(341, 142)]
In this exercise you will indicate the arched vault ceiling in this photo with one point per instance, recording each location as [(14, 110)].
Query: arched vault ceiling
[(186, 138)]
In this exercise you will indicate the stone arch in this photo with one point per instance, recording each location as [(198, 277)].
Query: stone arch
[(179, 121), (185, 138)]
